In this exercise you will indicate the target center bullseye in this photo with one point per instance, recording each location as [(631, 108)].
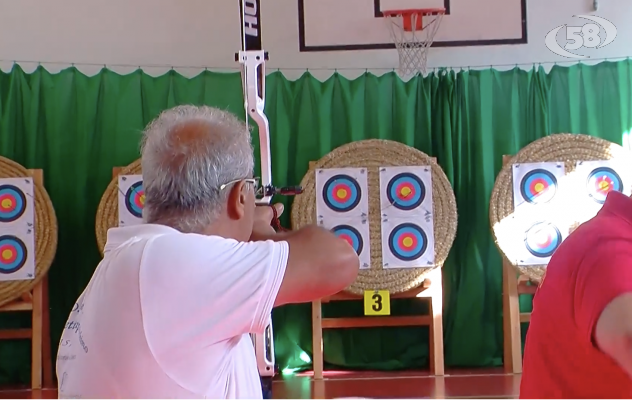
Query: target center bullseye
[(7, 254), (406, 191), (542, 238), (7, 203), (341, 193), (407, 242), (539, 187), (142, 199)]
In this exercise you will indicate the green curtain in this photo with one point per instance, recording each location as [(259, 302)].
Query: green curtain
[(76, 128)]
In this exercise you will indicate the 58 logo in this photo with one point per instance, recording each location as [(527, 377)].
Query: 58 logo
[(587, 36)]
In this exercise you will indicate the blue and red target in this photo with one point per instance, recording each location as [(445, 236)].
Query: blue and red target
[(538, 186), (602, 181), (13, 254), (12, 203), (135, 199), (342, 193), (542, 239), (351, 236), (408, 241), (406, 191)]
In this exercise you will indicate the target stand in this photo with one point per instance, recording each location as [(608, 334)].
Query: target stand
[(430, 289), (514, 285), (35, 301)]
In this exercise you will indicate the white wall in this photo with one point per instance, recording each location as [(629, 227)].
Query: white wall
[(205, 33)]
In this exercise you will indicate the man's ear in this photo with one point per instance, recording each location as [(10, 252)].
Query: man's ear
[(236, 204)]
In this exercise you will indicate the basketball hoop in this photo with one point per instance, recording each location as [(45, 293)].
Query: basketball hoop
[(412, 37)]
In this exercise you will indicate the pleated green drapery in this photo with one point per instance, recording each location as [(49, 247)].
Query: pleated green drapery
[(76, 128)]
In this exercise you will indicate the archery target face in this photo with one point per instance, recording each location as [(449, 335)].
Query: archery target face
[(542, 239), (350, 235), (407, 244), (13, 254), (16, 203), (601, 181), (341, 193), (135, 199), (406, 191), (131, 200), (536, 184), (12, 203), (593, 180)]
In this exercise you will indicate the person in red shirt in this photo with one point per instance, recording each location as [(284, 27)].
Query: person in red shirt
[(579, 343)]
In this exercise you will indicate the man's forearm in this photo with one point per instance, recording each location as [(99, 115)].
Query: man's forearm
[(280, 236)]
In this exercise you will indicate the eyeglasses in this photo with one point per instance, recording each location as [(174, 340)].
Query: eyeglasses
[(255, 182)]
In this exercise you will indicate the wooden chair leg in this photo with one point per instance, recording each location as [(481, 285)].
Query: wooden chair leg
[(36, 338), (436, 308), (512, 338), (317, 339), (49, 380)]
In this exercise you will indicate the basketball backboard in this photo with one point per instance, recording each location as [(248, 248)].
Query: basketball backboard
[(329, 25)]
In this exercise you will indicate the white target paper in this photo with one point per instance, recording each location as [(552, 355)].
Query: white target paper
[(17, 254), (354, 231), (341, 193), (408, 242), (131, 199), (17, 204), (540, 240), (537, 185), (406, 191), (593, 180)]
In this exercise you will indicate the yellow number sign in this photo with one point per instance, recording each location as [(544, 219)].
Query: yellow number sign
[(377, 302)]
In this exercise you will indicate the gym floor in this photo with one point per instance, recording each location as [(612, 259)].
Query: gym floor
[(457, 384)]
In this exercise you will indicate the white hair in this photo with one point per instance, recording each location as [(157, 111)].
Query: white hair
[(183, 171)]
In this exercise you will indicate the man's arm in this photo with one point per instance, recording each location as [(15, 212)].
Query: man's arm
[(613, 333), (603, 301), (319, 265)]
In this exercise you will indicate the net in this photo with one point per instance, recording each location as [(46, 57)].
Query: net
[(413, 32)]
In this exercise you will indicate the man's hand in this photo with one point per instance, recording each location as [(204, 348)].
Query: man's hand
[(261, 229)]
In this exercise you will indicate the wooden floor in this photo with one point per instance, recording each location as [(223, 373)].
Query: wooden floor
[(457, 384)]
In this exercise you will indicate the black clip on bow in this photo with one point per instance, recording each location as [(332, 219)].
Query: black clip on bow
[(283, 191)]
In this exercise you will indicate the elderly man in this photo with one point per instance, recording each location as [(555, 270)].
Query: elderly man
[(169, 310), (579, 344)]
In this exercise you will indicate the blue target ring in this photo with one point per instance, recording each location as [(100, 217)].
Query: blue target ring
[(135, 199), (12, 203), (602, 181), (342, 193), (406, 191), (408, 241), (351, 236), (538, 186), (12, 254), (542, 239)]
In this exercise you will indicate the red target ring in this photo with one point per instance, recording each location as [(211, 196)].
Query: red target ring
[(7, 203), (341, 193), (405, 191), (407, 241), (8, 254)]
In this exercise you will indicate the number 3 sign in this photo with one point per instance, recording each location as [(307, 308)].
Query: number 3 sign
[(377, 302)]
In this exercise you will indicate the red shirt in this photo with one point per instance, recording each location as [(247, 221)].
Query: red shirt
[(591, 268)]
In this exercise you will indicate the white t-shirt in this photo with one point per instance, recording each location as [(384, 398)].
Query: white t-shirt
[(168, 315)]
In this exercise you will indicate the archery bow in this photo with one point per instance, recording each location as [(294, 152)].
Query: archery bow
[(252, 58)]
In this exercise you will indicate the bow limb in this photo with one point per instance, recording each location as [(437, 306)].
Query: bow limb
[(254, 88)]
